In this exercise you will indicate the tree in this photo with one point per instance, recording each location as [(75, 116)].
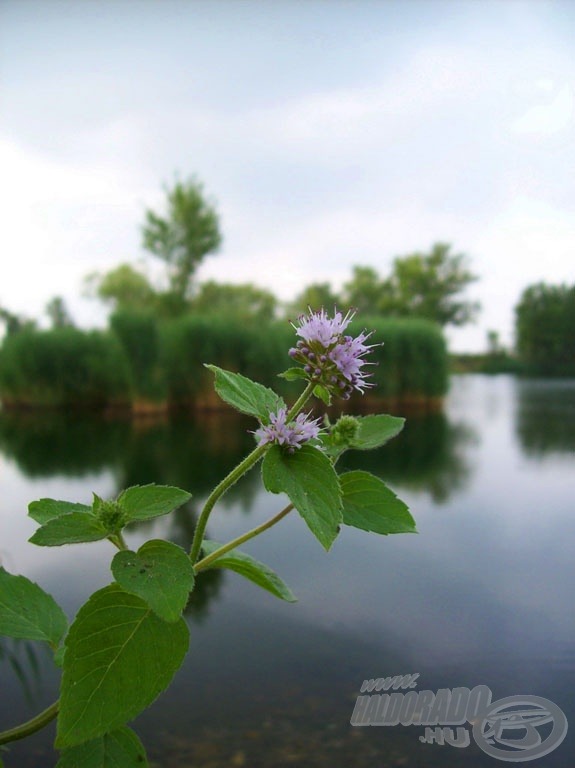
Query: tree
[(123, 287), (493, 343), (244, 302), (545, 329), (316, 296), (58, 313), (15, 323), (182, 238), (363, 291), (428, 286)]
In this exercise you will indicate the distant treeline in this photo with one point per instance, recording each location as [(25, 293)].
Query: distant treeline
[(146, 362), (545, 330)]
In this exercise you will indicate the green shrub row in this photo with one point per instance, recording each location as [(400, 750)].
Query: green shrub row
[(64, 366), (412, 362), (146, 360)]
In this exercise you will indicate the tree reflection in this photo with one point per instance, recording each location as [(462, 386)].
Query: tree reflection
[(196, 452), (545, 417), (191, 453), (428, 455)]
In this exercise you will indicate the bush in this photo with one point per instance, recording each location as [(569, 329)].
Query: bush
[(545, 329), (64, 366), (165, 361), (412, 361), (256, 352), (139, 336)]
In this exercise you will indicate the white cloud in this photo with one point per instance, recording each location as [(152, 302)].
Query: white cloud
[(550, 117), (60, 221)]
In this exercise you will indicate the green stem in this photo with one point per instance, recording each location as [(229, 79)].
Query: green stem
[(218, 491), (118, 540), (301, 401), (30, 727), (235, 475), (207, 561)]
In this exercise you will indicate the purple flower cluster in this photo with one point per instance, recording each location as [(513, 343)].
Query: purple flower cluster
[(330, 357), (291, 435)]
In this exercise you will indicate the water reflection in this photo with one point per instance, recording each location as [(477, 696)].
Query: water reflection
[(544, 413), (483, 595), (195, 453), (429, 455), (192, 453)]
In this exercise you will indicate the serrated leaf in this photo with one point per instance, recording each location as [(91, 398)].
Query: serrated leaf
[(245, 395), (118, 749), (143, 502), (27, 612), (293, 374), (375, 431), (44, 510), (73, 528), (311, 483), (249, 568), (322, 393), (161, 573), (119, 657), (370, 505)]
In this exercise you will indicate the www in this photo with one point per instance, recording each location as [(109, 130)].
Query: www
[(385, 683)]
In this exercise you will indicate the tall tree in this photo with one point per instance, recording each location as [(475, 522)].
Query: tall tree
[(58, 313), (183, 237), (123, 287), (242, 302), (15, 323), (363, 291), (429, 285), (316, 296)]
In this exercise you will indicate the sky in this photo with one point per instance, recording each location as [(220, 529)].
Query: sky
[(329, 133)]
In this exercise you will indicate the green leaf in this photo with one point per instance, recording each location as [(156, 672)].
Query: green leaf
[(293, 374), (142, 502), (311, 483), (245, 395), (73, 528), (118, 749), (119, 657), (44, 510), (372, 432), (161, 573), (375, 431), (250, 568), (27, 612), (370, 505), (322, 393)]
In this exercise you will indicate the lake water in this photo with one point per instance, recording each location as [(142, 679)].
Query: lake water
[(482, 596)]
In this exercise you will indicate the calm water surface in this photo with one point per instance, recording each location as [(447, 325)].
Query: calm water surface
[(483, 595)]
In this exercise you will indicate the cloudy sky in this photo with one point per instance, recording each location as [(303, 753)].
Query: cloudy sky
[(329, 133)]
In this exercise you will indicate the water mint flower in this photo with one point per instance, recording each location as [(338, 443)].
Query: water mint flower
[(330, 357), (291, 435)]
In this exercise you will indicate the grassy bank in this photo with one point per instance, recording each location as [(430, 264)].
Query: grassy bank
[(148, 365)]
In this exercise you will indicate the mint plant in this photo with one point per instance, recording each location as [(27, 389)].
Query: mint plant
[(129, 639)]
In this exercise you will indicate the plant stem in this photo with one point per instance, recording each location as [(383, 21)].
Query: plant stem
[(30, 727), (207, 561), (301, 401), (251, 459), (118, 540), (235, 475)]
